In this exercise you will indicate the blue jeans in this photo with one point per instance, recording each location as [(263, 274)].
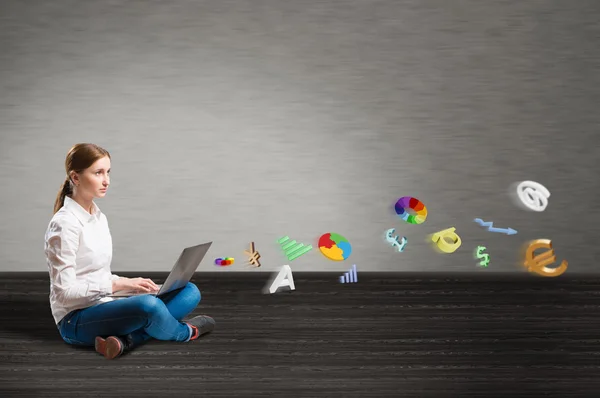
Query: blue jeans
[(136, 318)]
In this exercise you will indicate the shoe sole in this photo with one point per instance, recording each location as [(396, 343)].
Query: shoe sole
[(109, 347)]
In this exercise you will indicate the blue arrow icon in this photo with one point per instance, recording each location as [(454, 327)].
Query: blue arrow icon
[(490, 225)]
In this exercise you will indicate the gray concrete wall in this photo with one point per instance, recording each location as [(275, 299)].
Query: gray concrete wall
[(234, 121)]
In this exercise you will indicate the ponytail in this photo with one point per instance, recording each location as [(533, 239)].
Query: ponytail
[(65, 189)]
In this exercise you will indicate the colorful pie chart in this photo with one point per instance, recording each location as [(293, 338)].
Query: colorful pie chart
[(406, 203), (334, 246)]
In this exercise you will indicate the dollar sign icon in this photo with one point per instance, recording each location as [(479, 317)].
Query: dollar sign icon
[(484, 256), (537, 264)]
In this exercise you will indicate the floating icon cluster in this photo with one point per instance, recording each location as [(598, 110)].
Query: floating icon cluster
[(447, 241), (532, 195), (335, 247)]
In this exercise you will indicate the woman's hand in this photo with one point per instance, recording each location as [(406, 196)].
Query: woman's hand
[(138, 285), (142, 285)]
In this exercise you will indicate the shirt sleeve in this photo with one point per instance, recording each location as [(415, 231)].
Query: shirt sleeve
[(114, 277), (61, 251)]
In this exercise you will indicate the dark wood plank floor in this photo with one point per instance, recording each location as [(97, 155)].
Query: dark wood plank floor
[(396, 335)]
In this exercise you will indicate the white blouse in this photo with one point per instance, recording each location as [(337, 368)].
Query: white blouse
[(78, 251)]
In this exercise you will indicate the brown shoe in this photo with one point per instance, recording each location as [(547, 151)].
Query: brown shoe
[(111, 347)]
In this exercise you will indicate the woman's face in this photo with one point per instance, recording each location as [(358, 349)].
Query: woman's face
[(94, 180)]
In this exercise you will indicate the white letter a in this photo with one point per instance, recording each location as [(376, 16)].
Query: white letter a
[(283, 278)]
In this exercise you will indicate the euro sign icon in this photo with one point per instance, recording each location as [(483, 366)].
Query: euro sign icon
[(537, 264)]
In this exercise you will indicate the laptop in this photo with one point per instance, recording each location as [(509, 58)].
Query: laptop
[(180, 275)]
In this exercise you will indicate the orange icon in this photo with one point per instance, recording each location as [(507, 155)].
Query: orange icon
[(537, 264)]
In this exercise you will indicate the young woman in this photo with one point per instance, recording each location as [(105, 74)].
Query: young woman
[(78, 251)]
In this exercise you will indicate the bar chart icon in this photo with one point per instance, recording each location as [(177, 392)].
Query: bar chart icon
[(350, 276), (292, 249)]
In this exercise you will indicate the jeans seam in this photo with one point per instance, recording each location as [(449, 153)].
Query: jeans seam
[(74, 341)]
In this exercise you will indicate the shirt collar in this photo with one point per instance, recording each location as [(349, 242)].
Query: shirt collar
[(80, 212)]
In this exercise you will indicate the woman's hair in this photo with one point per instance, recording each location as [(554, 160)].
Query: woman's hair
[(80, 157)]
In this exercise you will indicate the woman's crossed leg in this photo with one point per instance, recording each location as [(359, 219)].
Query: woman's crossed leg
[(135, 320)]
